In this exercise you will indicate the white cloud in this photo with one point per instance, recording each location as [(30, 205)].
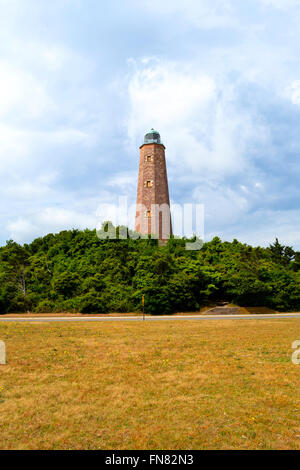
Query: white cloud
[(162, 87), (23, 151), (281, 4), (293, 92), (209, 137), (197, 114), (125, 181), (204, 14), (45, 110), (224, 206), (263, 226), (49, 220), (19, 188), (34, 116), (21, 230), (21, 93), (213, 95)]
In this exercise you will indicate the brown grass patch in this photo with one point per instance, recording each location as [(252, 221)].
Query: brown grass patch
[(259, 310), (153, 385)]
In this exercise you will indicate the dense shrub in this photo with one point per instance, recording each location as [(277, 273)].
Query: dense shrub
[(76, 271)]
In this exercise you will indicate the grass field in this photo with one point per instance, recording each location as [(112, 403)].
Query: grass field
[(159, 385)]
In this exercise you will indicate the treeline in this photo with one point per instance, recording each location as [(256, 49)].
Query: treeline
[(75, 271)]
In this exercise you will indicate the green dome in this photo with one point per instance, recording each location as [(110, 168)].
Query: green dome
[(152, 137)]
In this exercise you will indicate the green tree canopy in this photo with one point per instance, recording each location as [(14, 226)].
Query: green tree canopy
[(78, 272)]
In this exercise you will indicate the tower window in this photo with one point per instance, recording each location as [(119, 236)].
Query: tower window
[(148, 214), (148, 184), (148, 159)]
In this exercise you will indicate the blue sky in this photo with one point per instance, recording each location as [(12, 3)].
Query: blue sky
[(81, 81)]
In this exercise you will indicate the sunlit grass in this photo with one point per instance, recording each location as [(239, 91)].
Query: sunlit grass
[(159, 385)]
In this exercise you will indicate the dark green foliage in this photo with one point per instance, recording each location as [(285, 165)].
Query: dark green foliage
[(282, 254), (75, 271)]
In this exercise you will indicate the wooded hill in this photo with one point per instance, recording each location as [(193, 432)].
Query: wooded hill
[(75, 271)]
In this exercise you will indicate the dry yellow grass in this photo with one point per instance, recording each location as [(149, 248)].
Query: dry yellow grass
[(159, 385)]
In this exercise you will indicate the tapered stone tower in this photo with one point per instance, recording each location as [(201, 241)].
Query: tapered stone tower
[(153, 204)]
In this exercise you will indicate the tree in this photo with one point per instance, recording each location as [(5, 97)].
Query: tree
[(281, 254), (14, 266), (76, 271)]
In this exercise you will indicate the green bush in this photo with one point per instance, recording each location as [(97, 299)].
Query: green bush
[(75, 271)]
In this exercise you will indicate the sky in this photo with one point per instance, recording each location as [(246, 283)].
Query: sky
[(82, 81)]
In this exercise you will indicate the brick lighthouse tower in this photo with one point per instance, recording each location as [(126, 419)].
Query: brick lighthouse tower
[(153, 204)]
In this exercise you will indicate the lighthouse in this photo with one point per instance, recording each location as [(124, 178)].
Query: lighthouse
[(153, 216)]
